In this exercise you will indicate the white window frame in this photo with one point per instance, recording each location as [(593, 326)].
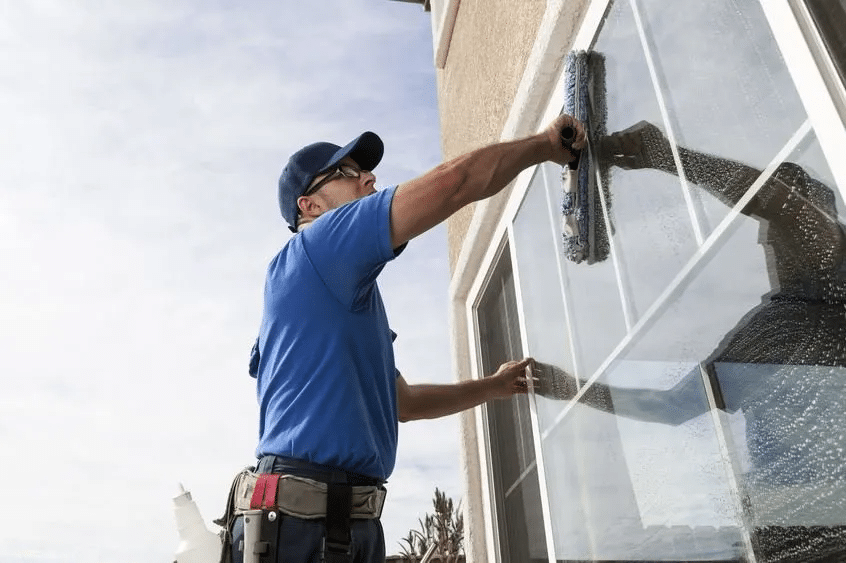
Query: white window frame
[(480, 285)]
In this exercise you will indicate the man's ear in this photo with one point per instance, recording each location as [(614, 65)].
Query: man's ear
[(308, 207)]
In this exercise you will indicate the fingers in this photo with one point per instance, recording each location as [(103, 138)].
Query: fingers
[(575, 137), (524, 363), (581, 135), (513, 376), (516, 364), (521, 386), (580, 138)]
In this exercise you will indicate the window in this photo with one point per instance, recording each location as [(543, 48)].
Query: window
[(671, 326), (693, 409), (514, 472)]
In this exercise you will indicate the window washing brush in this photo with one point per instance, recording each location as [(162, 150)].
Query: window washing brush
[(583, 223)]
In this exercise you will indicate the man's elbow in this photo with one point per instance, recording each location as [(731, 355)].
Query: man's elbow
[(406, 415), (404, 408)]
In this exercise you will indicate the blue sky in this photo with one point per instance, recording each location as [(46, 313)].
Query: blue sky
[(141, 149)]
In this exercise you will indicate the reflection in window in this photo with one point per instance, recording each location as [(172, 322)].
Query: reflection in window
[(779, 365)]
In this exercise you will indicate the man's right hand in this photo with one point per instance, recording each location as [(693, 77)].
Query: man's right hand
[(560, 154)]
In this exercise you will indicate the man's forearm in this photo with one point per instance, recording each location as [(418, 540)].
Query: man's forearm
[(434, 401), (484, 172)]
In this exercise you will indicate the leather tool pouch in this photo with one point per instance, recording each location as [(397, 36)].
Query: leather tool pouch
[(228, 519)]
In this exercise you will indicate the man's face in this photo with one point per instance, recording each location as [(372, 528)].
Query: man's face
[(339, 186)]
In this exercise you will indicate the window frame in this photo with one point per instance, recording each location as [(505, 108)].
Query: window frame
[(833, 72)]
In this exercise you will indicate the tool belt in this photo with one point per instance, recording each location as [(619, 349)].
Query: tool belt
[(300, 497), (264, 495)]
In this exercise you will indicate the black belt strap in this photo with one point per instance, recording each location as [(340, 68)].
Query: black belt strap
[(336, 544), (269, 539)]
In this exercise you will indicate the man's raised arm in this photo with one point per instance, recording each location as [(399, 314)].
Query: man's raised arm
[(422, 203)]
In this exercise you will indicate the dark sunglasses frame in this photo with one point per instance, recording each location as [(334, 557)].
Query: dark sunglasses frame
[(346, 170)]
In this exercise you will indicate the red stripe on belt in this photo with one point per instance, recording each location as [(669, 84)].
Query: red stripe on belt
[(270, 491), (264, 495), (258, 493)]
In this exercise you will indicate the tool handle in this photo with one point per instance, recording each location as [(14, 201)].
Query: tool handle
[(568, 135)]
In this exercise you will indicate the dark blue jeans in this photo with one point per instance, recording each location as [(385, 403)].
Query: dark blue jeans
[(301, 541)]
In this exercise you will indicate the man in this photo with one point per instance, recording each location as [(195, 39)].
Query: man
[(329, 393)]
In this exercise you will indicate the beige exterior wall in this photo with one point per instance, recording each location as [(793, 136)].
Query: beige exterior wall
[(490, 44)]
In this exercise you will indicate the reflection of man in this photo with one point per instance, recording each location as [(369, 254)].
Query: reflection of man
[(329, 393), (780, 365)]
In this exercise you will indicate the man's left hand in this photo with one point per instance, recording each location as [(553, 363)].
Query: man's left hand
[(510, 378)]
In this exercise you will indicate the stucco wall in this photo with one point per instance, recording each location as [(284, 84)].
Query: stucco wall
[(490, 44)]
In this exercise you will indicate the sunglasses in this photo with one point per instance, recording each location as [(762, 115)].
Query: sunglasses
[(345, 170)]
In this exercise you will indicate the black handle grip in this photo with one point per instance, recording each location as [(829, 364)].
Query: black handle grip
[(568, 135)]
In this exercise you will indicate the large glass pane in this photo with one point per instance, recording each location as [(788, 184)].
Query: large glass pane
[(654, 235), (725, 84), (627, 489), (761, 320), (717, 434), (535, 236), (652, 478)]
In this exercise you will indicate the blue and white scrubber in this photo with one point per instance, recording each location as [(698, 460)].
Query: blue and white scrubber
[(583, 222)]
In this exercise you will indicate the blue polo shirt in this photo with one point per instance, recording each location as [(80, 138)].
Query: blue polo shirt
[(326, 374)]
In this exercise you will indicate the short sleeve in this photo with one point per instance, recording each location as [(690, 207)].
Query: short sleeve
[(349, 246)]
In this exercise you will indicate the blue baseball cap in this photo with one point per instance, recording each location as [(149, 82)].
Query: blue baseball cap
[(311, 161)]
